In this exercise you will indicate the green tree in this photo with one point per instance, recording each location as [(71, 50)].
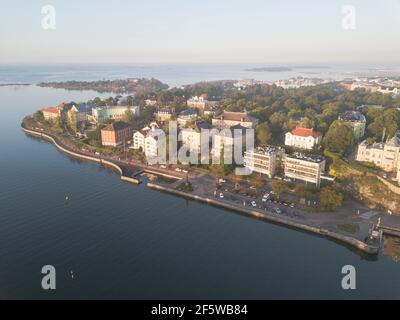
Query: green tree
[(129, 117), (389, 120), (329, 199), (38, 116), (278, 187), (339, 137), (264, 133)]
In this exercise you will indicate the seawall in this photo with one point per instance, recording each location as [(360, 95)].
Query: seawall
[(82, 156), (362, 246)]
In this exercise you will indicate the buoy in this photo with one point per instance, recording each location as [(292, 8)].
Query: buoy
[(66, 198), (72, 275)]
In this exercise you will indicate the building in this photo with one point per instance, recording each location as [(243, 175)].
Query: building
[(164, 114), (139, 138), (384, 155), (81, 110), (187, 116), (116, 134), (303, 138), (356, 120), (150, 102), (308, 169), (228, 138), (193, 138), (263, 160), (154, 141), (198, 102), (53, 113), (100, 114), (229, 119)]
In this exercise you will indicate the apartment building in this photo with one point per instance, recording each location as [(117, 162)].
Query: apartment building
[(193, 138), (116, 134), (263, 160), (306, 168)]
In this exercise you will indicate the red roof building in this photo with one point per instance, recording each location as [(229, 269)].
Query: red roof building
[(303, 138)]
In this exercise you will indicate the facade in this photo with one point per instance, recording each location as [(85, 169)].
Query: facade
[(229, 119), (198, 102), (262, 160), (100, 114), (164, 114), (192, 138), (53, 113), (355, 120), (82, 111), (116, 134), (303, 138), (226, 138), (384, 155), (154, 141), (139, 139), (187, 116), (308, 169)]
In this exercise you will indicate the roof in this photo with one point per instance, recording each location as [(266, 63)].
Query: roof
[(189, 112), (51, 110), (236, 116), (304, 157), (352, 116), (304, 132), (202, 125), (116, 126)]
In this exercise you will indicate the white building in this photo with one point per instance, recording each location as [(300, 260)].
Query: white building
[(139, 138), (262, 160), (384, 155), (303, 138), (154, 142), (227, 139), (193, 138), (304, 168)]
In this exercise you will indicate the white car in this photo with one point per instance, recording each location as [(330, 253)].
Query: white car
[(266, 197), (222, 181), (278, 211), (178, 170), (254, 204), (163, 167), (221, 195)]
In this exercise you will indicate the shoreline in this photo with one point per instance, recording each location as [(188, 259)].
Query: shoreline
[(351, 241)]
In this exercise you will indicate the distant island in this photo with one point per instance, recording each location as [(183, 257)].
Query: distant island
[(284, 69), (270, 69), (14, 84), (123, 86)]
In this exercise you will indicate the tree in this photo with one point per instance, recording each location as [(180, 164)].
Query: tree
[(264, 134), (129, 117), (278, 187), (38, 116), (259, 182), (72, 121), (329, 199), (389, 120), (306, 123), (339, 137)]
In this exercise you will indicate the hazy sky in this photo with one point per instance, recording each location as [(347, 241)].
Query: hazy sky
[(201, 31)]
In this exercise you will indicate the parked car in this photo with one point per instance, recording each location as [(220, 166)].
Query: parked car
[(278, 211), (266, 197), (178, 170), (292, 205), (254, 204), (221, 195), (163, 167)]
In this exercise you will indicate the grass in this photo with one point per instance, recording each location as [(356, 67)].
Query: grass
[(348, 228)]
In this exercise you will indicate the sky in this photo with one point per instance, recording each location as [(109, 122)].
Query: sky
[(200, 31)]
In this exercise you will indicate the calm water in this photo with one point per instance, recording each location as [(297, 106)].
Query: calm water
[(129, 242), (174, 75)]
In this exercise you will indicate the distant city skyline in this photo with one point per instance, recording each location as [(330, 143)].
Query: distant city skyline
[(177, 31)]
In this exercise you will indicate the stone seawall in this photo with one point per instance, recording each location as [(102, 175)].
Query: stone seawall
[(362, 246), (82, 156)]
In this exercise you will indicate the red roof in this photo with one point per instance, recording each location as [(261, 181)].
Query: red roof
[(304, 132), (50, 110)]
